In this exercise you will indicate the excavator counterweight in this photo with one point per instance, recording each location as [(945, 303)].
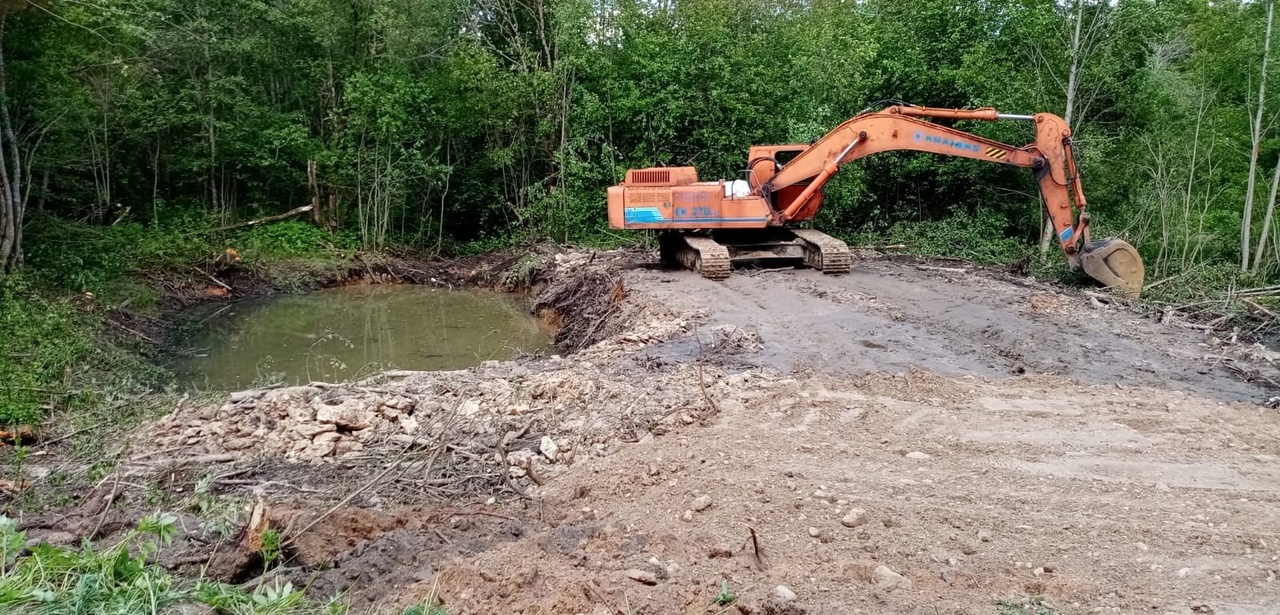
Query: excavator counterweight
[(708, 225)]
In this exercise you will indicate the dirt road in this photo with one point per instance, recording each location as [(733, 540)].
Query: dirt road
[(897, 440)]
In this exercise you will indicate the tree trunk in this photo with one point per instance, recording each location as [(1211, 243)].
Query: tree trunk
[(1256, 142), (44, 191), (1266, 220), (10, 174)]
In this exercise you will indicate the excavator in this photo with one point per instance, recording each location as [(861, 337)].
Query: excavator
[(707, 226)]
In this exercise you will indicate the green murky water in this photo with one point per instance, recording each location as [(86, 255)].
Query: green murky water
[(343, 333)]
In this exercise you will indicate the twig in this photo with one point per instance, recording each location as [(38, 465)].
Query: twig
[(137, 333), (706, 395), (531, 473), (102, 517), (276, 218), (154, 453), (482, 513), (385, 471), (199, 459), (1158, 283), (755, 546), (1260, 308), (77, 432), (591, 587), (273, 573), (210, 276), (443, 538), (261, 484)]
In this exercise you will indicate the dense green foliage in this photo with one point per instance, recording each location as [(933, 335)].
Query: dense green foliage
[(433, 124)]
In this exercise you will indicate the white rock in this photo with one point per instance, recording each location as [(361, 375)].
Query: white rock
[(784, 593), (687, 516), (1183, 572), (855, 517), (702, 503), (469, 407), (918, 455), (549, 449), (886, 579), (815, 532), (408, 424)]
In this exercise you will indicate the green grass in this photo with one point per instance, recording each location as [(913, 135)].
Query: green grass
[(726, 596), (1034, 605), (124, 578)]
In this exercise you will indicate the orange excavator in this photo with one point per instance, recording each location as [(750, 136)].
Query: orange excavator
[(708, 225)]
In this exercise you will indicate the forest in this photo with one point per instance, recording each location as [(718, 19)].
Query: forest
[(135, 134), (466, 124)]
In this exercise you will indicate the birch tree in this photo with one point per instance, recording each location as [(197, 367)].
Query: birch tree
[(1084, 42), (1255, 145), (15, 165)]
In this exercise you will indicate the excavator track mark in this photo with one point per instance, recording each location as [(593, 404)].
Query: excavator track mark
[(701, 254), (824, 252)]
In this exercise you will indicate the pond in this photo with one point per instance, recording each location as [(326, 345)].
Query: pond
[(342, 333)]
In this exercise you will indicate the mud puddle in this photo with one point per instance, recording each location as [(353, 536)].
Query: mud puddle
[(341, 333)]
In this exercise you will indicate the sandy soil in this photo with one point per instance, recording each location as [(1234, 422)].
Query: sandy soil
[(897, 440)]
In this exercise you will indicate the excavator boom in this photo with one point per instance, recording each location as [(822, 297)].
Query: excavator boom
[(776, 194)]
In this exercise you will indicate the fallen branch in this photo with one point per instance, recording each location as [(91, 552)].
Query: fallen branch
[(1103, 297), (1255, 306), (350, 496), (284, 216), (210, 276), (199, 460), (137, 333), (1261, 291), (893, 246), (106, 506), (941, 269), (77, 432), (481, 513)]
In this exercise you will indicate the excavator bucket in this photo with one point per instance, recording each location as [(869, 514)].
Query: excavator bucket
[(1116, 264)]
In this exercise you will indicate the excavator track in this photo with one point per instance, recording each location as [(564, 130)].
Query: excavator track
[(824, 252), (701, 254)]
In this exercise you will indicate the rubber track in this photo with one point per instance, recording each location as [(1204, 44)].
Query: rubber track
[(824, 252), (705, 256)]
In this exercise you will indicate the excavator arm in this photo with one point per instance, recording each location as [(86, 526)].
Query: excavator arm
[(1113, 262)]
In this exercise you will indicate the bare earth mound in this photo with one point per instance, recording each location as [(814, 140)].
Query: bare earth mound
[(896, 440)]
